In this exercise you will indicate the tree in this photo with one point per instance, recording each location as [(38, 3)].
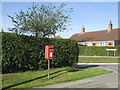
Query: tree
[(41, 20)]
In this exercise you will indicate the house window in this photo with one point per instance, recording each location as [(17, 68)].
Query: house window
[(93, 44), (86, 44), (110, 43), (101, 43)]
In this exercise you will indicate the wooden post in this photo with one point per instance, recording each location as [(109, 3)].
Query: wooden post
[(108, 53), (114, 53), (48, 69)]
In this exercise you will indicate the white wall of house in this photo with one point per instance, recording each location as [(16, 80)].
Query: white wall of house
[(99, 43)]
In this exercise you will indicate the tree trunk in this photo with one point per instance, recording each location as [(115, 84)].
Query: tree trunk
[(36, 34)]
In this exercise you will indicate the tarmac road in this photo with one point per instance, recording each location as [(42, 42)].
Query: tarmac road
[(102, 81), (112, 66)]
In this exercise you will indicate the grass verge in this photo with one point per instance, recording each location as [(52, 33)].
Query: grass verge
[(98, 60), (32, 79)]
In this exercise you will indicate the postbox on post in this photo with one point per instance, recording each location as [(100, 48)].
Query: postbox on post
[(49, 54)]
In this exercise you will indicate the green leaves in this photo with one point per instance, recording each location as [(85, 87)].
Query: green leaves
[(99, 51), (22, 53), (41, 20)]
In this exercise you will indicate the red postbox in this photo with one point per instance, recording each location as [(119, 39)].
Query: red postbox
[(49, 52)]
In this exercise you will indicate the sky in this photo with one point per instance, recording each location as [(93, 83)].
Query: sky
[(94, 16)]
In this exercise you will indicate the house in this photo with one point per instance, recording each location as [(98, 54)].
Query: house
[(107, 37), (56, 37)]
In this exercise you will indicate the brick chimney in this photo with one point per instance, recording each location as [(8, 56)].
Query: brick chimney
[(2, 30), (110, 26), (83, 30), (48, 36)]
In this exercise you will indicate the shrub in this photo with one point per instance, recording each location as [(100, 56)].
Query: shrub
[(21, 53), (97, 50)]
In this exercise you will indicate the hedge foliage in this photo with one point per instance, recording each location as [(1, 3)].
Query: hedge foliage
[(21, 53), (97, 50)]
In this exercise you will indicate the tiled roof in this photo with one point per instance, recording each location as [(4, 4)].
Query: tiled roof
[(58, 37), (103, 35)]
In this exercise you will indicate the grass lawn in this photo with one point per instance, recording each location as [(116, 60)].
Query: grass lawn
[(98, 60), (31, 79)]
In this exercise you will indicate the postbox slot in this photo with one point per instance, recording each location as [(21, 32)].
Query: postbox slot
[(50, 48)]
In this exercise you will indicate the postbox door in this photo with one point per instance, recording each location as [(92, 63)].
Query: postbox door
[(51, 51)]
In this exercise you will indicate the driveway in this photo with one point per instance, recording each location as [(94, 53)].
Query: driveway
[(109, 66), (102, 81)]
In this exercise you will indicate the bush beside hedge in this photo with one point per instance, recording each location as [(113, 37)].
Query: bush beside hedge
[(97, 50), (22, 53)]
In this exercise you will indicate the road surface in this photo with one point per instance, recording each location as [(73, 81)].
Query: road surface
[(103, 81)]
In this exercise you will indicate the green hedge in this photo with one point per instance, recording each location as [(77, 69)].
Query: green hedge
[(97, 50), (22, 53)]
